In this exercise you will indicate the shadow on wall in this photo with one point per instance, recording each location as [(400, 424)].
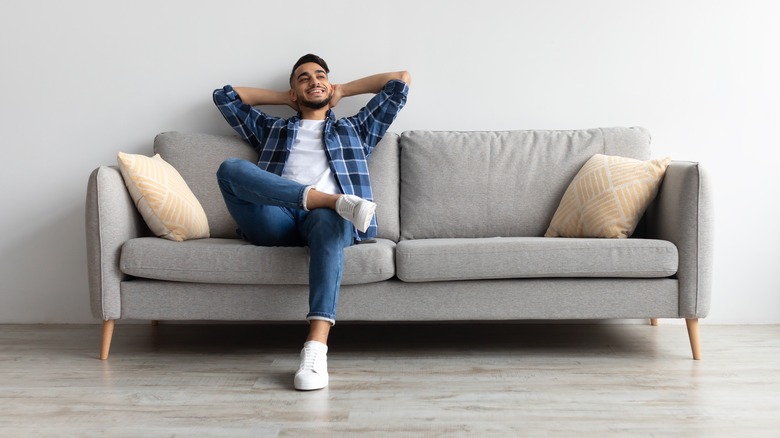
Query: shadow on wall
[(43, 271)]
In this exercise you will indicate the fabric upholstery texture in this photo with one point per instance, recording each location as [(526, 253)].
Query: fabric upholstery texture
[(233, 261), (383, 165), (111, 219), (533, 257), (394, 300), (468, 211), (497, 184), (197, 158), (163, 198), (683, 216), (607, 197)]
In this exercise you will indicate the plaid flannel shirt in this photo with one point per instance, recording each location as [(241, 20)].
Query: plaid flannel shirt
[(348, 141)]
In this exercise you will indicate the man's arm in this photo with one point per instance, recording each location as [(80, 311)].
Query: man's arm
[(370, 84), (259, 96), (249, 122)]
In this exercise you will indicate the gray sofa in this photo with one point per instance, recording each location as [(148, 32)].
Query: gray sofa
[(461, 218)]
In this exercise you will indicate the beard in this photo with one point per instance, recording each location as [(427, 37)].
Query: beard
[(316, 104)]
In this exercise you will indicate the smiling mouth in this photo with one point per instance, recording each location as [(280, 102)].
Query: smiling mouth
[(316, 92)]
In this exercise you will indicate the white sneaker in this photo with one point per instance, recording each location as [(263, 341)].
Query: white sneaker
[(356, 210), (313, 372)]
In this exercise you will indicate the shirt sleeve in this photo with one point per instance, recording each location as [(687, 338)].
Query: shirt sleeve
[(251, 124), (373, 120)]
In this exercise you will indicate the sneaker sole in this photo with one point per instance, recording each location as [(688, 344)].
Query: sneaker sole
[(364, 226), (309, 387)]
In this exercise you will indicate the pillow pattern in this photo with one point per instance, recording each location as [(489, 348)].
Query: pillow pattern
[(166, 203), (607, 197)]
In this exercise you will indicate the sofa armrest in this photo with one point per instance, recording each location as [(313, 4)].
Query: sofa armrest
[(111, 220), (682, 214)]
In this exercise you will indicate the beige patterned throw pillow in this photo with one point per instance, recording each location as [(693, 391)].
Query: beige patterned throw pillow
[(607, 197), (164, 200)]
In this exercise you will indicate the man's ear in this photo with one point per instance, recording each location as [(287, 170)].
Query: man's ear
[(293, 96)]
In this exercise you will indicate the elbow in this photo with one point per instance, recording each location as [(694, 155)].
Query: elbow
[(220, 95), (406, 77)]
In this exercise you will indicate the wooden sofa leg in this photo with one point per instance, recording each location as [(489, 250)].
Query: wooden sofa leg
[(653, 322), (108, 331), (693, 335), (155, 322)]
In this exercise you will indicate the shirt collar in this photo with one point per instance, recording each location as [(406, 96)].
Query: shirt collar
[(328, 116)]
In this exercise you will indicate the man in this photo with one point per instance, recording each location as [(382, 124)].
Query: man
[(310, 186)]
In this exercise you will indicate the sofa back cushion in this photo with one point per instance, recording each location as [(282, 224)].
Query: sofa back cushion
[(198, 156), (501, 183), (384, 170)]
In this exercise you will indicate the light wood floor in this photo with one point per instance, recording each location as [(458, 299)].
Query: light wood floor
[(401, 380)]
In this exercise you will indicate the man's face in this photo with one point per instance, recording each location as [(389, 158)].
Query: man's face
[(310, 86)]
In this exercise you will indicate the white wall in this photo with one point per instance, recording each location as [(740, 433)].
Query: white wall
[(83, 79)]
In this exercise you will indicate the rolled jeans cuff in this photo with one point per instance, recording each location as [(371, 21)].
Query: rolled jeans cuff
[(321, 318), (305, 196)]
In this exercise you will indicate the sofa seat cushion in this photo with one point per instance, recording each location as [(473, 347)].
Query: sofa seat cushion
[(235, 261), (533, 257)]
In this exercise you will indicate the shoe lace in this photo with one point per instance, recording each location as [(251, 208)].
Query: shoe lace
[(310, 358), (346, 205)]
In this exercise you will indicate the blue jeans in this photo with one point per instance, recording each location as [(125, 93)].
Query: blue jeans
[(269, 212)]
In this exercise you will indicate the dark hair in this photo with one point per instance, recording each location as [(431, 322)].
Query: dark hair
[(309, 58)]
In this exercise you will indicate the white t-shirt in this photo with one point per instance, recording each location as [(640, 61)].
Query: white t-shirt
[(308, 161)]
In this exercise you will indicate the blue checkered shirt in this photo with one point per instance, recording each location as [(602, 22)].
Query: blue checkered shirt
[(348, 141)]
